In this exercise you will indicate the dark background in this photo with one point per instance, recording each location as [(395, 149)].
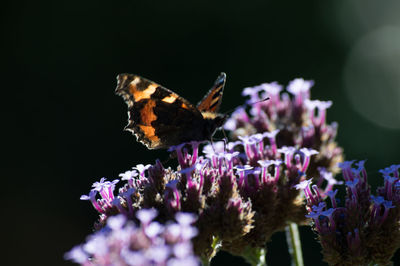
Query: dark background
[(63, 124)]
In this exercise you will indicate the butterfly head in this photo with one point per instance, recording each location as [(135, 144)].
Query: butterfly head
[(219, 120), (213, 121)]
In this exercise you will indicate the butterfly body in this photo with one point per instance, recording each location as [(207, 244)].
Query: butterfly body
[(160, 118)]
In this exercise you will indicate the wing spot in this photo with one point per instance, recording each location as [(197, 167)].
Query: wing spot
[(149, 132), (135, 81), (208, 115), (144, 94), (217, 93), (184, 106), (213, 104), (147, 113), (169, 99)]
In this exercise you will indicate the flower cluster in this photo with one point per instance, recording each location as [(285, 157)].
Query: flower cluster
[(301, 122), (241, 191), (366, 230), (122, 242)]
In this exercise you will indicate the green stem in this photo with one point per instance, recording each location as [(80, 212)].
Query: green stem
[(205, 261), (293, 241), (255, 256), (215, 247)]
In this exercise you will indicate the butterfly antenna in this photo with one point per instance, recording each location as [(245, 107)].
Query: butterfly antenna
[(260, 101), (248, 104), (212, 144)]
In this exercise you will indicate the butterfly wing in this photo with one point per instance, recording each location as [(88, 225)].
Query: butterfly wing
[(158, 117), (213, 98)]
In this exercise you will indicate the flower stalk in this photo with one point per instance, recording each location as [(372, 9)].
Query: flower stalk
[(294, 244), (255, 256)]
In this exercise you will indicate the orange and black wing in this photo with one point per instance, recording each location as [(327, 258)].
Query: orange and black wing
[(158, 117), (213, 98)]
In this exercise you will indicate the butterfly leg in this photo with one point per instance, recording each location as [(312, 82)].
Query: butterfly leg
[(212, 144), (171, 156), (225, 139)]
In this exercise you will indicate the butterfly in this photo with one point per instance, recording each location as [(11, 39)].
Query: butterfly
[(160, 118)]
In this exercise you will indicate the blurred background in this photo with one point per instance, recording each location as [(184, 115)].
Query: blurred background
[(63, 124)]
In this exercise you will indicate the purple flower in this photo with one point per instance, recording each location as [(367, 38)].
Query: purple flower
[(189, 170), (321, 107), (387, 205), (389, 185), (116, 222), (304, 184), (253, 146), (307, 155), (153, 229), (146, 216), (243, 171), (78, 255), (301, 89), (328, 176), (106, 189), (185, 219), (332, 194), (289, 154), (92, 198), (319, 208), (329, 213), (272, 139), (128, 244), (141, 168), (346, 170), (353, 186), (187, 261), (299, 85), (215, 148), (185, 159), (365, 221), (265, 164), (313, 196), (237, 117), (128, 175), (271, 89), (172, 196)]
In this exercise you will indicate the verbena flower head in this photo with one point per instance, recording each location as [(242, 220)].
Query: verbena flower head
[(125, 242), (295, 119), (241, 195), (241, 191), (366, 229)]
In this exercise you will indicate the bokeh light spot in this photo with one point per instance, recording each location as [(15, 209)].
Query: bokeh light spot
[(372, 77)]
